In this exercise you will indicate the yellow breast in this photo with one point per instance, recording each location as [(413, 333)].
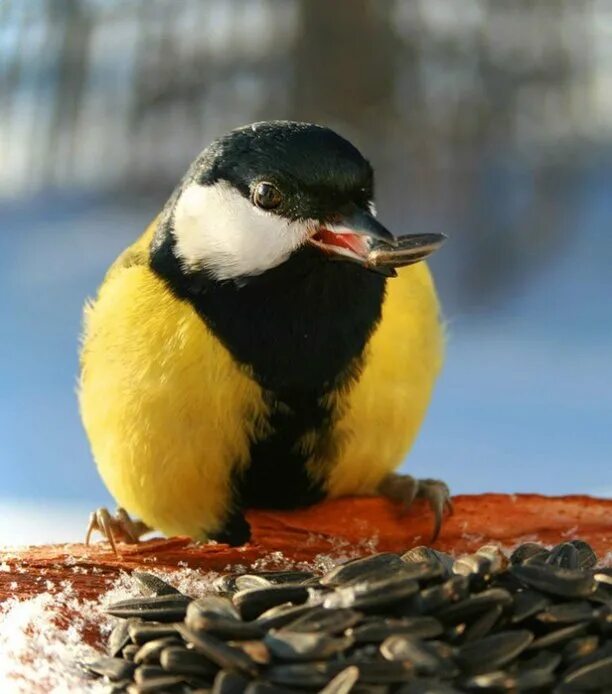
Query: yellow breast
[(166, 409), (170, 414)]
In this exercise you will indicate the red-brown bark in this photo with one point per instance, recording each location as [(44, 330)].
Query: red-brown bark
[(352, 525)]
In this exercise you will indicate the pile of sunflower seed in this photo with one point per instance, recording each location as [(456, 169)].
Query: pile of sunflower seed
[(538, 621)]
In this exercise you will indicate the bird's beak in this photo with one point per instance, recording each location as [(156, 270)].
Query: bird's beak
[(358, 236)]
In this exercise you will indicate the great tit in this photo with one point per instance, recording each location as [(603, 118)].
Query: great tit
[(258, 347)]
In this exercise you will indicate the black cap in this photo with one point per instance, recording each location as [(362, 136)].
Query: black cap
[(317, 171)]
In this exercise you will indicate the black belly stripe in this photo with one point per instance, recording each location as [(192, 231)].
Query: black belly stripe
[(302, 328), (277, 475)]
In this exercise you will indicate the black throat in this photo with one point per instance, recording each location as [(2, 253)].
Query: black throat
[(302, 328)]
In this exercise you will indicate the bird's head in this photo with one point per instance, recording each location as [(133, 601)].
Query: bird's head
[(262, 192)]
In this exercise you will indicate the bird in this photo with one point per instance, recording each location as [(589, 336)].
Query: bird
[(266, 343)]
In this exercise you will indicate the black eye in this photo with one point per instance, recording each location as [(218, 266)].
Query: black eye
[(267, 196)]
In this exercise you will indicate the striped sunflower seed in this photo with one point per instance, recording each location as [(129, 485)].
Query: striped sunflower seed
[(220, 653), (153, 584), (362, 568), (552, 580), (493, 651), (179, 660), (113, 668), (162, 608), (252, 603)]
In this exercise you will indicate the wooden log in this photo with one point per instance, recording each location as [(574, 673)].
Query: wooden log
[(342, 527)]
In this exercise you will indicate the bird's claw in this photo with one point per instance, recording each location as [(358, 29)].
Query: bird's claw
[(405, 489), (115, 528)]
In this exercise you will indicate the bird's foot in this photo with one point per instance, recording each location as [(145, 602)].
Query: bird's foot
[(405, 489), (235, 532), (115, 528)]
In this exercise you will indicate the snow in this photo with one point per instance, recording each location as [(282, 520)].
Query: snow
[(40, 648)]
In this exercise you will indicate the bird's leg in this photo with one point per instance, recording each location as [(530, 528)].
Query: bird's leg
[(236, 530), (405, 489), (115, 528)]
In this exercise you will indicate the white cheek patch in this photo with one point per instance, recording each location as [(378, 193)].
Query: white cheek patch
[(218, 229)]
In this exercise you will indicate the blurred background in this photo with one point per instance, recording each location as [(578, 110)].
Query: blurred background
[(490, 121)]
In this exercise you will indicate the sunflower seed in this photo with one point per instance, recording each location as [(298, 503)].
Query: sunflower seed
[(162, 608), (280, 615), (252, 603), (367, 651), (282, 577), (603, 576), (118, 638), (178, 660), (148, 672), (296, 646), (372, 595), (141, 632), (226, 583), (545, 661), (558, 636), (567, 613), (219, 652), (474, 605), (252, 582), (579, 647), (154, 585), (130, 651), (604, 619), (422, 655), (255, 649), (113, 668), (330, 621), (383, 671), (587, 558), (564, 555), (423, 571), (452, 591), (214, 605), (534, 679), (226, 628), (604, 651), (378, 630), (261, 687), (343, 682), (473, 564), (426, 685), (229, 683), (430, 555), (528, 552), (601, 596), (483, 624), (150, 651), (304, 674), (496, 681), (493, 651), (527, 603), (596, 675), (371, 688), (499, 561), (156, 685), (567, 583), (359, 569)]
